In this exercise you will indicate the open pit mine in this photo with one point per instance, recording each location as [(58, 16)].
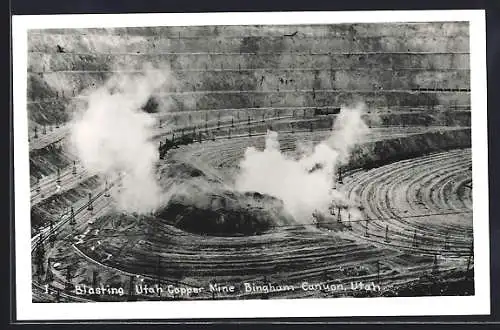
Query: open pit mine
[(250, 162)]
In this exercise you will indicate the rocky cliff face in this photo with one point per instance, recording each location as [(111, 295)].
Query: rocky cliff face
[(249, 67)]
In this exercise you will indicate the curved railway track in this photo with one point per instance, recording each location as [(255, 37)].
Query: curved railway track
[(397, 193), (304, 253), (415, 187)]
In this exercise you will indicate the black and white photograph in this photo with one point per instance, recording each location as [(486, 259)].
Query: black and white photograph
[(251, 165)]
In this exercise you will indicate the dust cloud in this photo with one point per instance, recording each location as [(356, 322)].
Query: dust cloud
[(304, 184), (112, 136)]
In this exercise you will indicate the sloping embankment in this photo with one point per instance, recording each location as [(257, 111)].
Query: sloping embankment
[(378, 153)]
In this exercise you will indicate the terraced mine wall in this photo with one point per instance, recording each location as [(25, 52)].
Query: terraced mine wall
[(247, 67), (378, 153), (52, 208), (47, 160), (448, 118)]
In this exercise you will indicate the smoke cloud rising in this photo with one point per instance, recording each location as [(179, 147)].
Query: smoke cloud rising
[(304, 184), (112, 135)]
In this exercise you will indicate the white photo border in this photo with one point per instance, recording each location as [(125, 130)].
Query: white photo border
[(479, 304)]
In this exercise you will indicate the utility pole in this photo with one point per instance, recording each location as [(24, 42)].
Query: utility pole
[(378, 272), (49, 277), (248, 123), (44, 130), (339, 216), (90, 207), (415, 243), (106, 188), (68, 285), (213, 292), (74, 167), (349, 224), (36, 132), (52, 238), (232, 122), (386, 234), (72, 217), (39, 257), (340, 176), (469, 258), (131, 286), (325, 279), (316, 218), (435, 267), (94, 278), (58, 176), (158, 274), (332, 210), (265, 281)]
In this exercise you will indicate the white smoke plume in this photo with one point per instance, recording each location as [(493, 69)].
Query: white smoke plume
[(112, 136), (304, 184)]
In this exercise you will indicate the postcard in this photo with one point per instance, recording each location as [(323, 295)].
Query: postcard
[(250, 165)]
